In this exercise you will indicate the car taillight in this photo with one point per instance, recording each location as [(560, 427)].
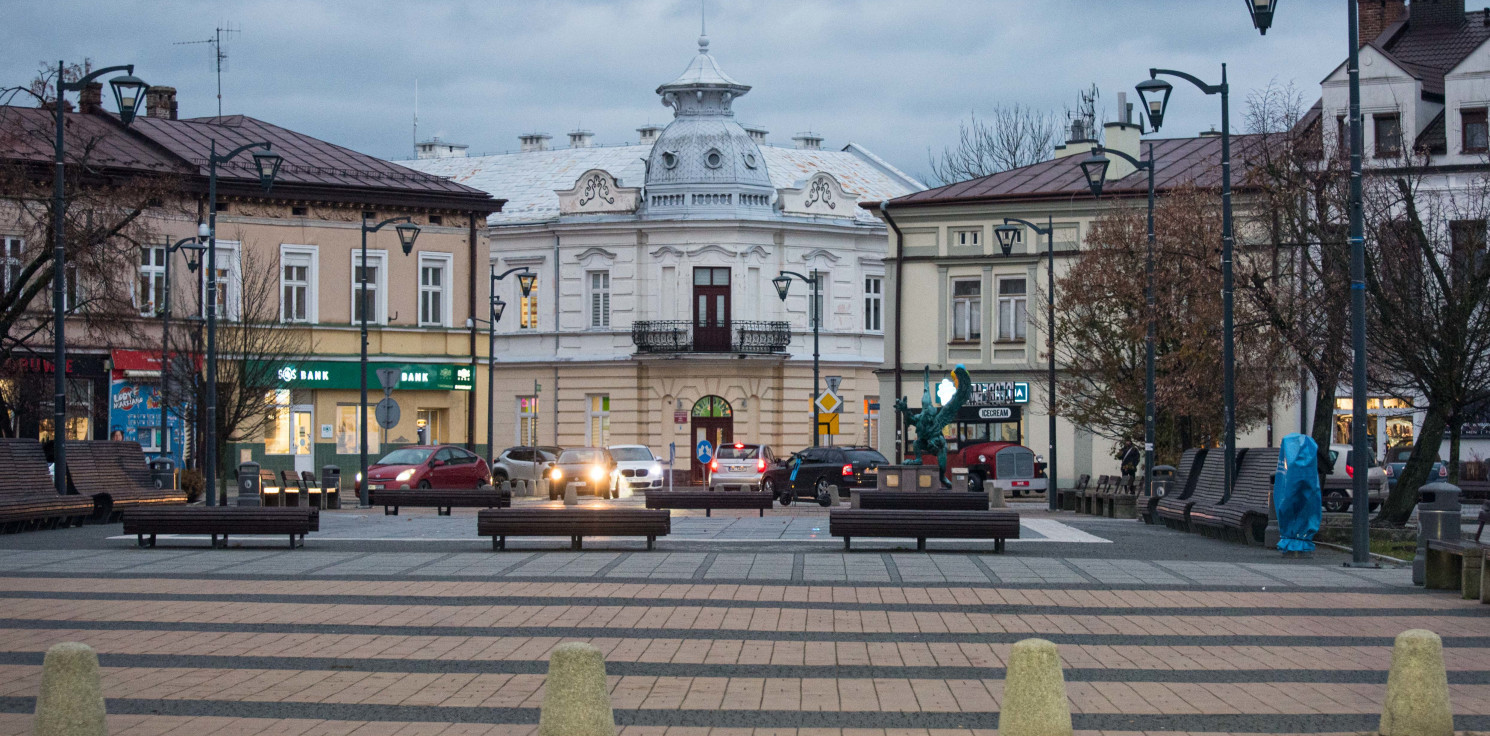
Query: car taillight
[(714, 467), (848, 470), (1350, 471), (760, 465)]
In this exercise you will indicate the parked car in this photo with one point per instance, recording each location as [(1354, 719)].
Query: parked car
[(1397, 460), (592, 467), (808, 473), (1338, 482), (427, 466), (524, 463), (740, 466), (637, 466)]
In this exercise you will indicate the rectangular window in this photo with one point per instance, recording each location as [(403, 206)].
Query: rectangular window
[(967, 311), (1388, 135), (967, 238), (367, 288), (819, 296), (434, 275), (295, 284), (279, 432), (150, 296), (1342, 137), (10, 250), (874, 303), (872, 421), (1476, 130), (527, 312), (229, 280), (527, 421), (1468, 242), (600, 299), (347, 437), (1012, 310), (597, 431)]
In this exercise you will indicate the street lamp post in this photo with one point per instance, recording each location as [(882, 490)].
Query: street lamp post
[(1095, 168), (1262, 13), (525, 281), (267, 163), (128, 95), (1155, 95), (407, 233), (1008, 235), (165, 337), (783, 284)]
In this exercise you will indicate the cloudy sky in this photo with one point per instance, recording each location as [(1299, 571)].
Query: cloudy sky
[(893, 75)]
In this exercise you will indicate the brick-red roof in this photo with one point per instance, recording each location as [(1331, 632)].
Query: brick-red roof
[(1179, 161), (1428, 52), (27, 133)]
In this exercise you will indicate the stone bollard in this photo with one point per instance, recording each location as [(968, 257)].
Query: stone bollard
[(521, 488), (576, 701), (832, 495), (1470, 573), (571, 495), (540, 487), (507, 486), (995, 496), (1035, 701), (71, 698), (1417, 701)]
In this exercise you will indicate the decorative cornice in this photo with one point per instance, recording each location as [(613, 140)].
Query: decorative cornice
[(817, 253), (711, 248), (589, 253)]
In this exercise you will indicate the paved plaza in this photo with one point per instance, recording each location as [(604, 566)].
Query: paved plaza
[(736, 624)]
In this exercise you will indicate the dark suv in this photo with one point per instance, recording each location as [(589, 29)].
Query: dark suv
[(808, 473)]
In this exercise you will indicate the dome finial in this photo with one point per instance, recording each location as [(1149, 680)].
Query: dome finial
[(703, 26)]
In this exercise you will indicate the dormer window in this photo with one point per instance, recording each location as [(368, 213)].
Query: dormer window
[(670, 159), (750, 161), (713, 159)]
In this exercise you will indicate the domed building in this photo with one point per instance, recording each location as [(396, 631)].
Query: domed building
[(654, 320)]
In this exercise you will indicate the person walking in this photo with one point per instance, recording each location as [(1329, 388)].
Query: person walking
[(1128, 458)]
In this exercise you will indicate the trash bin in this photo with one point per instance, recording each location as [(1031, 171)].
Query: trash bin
[(1163, 478), (163, 470), (331, 486), (1438, 518), (250, 488)]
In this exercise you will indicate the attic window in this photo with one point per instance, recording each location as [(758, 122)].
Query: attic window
[(713, 159), (670, 159), (436, 220), (750, 161), (297, 212)]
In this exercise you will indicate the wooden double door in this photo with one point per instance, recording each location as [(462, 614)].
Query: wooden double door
[(712, 332)]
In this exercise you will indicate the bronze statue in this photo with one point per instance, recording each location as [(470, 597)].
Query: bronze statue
[(930, 420)]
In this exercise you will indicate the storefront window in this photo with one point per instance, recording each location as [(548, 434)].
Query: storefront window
[(79, 412), (279, 432), (599, 430), (347, 439)]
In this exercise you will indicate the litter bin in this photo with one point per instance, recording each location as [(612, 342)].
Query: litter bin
[(163, 471), (1163, 481), (331, 486), (249, 486), (1438, 518)]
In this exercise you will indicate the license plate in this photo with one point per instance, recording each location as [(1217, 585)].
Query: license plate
[(1021, 484), (737, 468), (871, 471), (375, 486)]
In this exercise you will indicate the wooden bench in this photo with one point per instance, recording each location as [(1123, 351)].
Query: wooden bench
[(921, 500), (28, 500), (221, 521), (573, 523), (330, 498), (1460, 564), (710, 500), (1087, 503), (270, 494), (997, 525), (1244, 513), (114, 474), (1179, 488), (291, 488), (1205, 483), (1066, 499), (440, 499)]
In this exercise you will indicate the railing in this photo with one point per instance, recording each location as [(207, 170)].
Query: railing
[(681, 336)]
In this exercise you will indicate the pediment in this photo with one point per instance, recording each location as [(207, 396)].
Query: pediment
[(712, 249), (589, 256), (820, 254), (667, 251), (598, 192), (819, 195)]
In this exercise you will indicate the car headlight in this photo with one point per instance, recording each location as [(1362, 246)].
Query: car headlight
[(359, 477), (556, 474), (407, 474), (656, 468), (597, 473)]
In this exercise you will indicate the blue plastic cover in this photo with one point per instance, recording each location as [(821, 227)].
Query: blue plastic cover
[(1296, 495)]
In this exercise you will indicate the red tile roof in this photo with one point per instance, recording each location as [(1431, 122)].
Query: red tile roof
[(1428, 52)]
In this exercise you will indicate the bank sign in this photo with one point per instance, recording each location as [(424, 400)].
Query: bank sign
[(1001, 393), (411, 376)]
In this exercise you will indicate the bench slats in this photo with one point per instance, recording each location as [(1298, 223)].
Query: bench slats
[(115, 473), (997, 524), (442, 499), (573, 523), (921, 500), (27, 497), (221, 521), (710, 500), (1245, 512)]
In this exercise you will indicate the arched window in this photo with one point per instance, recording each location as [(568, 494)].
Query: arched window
[(712, 407)]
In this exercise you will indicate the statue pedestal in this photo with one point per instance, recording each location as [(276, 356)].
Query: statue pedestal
[(909, 478)]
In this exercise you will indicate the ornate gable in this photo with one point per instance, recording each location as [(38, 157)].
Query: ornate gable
[(597, 192), (819, 196)]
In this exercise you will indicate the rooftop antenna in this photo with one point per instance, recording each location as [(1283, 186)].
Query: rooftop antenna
[(416, 116), (219, 54)]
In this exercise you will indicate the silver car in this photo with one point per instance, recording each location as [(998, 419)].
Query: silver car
[(740, 466)]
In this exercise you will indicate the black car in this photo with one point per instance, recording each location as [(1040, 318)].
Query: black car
[(592, 467), (808, 473)]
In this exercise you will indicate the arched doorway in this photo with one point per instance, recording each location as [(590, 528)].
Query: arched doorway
[(712, 419)]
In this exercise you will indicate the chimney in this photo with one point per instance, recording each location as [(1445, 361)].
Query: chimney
[(757, 134), (436, 148), (1121, 137), (648, 133), (580, 139), (1426, 13), (160, 102), (535, 142), (91, 99), (1378, 15), (808, 141)]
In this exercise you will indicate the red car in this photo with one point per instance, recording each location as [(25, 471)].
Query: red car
[(428, 466)]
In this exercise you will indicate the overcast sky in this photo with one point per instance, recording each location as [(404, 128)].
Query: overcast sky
[(894, 76)]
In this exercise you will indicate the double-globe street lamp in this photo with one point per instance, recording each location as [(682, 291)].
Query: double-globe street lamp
[(407, 233), (1008, 234), (1094, 167), (525, 280), (783, 284), (1155, 95), (128, 93), (266, 164), (1262, 18), (192, 244)]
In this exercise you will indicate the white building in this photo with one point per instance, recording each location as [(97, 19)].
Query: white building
[(654, 319)]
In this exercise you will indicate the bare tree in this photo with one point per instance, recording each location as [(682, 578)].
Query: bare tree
[(1010, 137)]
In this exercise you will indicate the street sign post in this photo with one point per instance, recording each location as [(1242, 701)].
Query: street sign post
[(829, 403), (388, 378), (672, 456), (827, 424), (705, 451), (387, 413), (833, 383)]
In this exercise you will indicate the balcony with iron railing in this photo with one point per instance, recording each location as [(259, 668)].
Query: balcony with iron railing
[(686, 336)]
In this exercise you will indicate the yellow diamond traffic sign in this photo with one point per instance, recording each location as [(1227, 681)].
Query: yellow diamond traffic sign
[(828, 402)]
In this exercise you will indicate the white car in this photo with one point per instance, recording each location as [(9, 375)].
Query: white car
[(1338, 482), (637, 467)]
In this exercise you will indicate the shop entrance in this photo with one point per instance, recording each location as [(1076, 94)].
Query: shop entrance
[(713, 419), (302, 425)]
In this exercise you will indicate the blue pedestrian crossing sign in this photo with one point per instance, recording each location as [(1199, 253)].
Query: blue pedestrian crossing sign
[(705, 451)]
